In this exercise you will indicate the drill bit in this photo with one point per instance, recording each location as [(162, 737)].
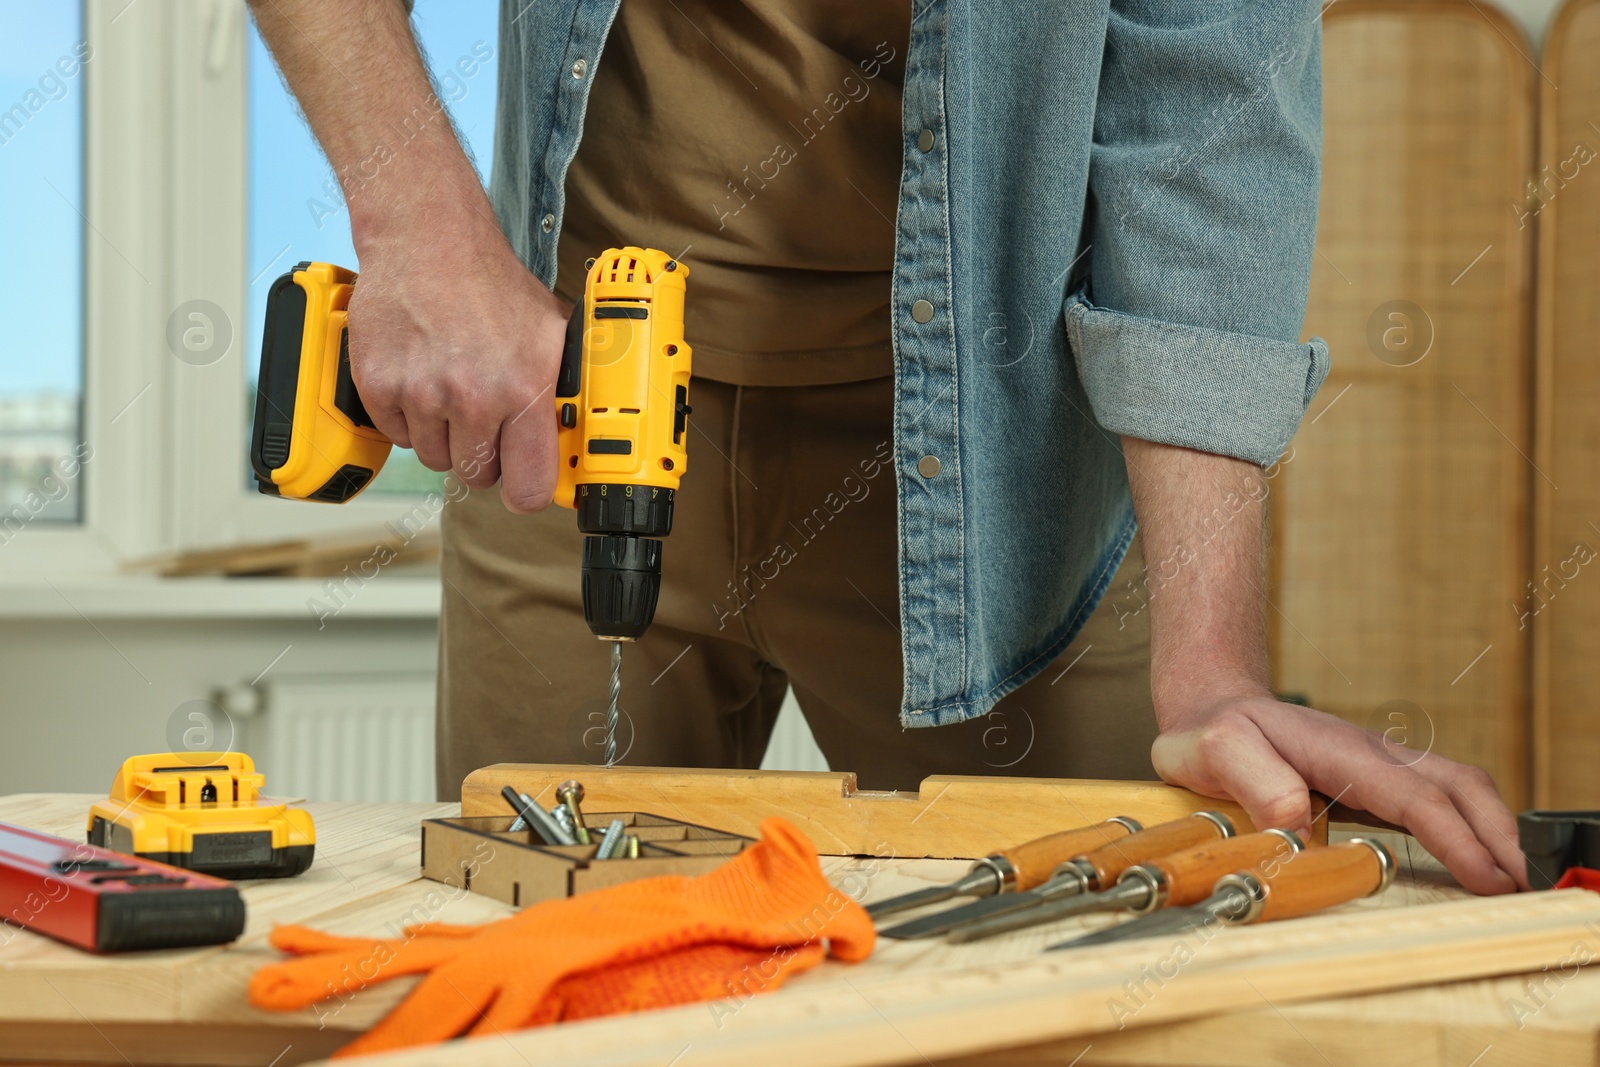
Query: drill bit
[(611, 711)]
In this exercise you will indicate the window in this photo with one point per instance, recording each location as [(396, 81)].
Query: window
[(42, 53), (120, 227), (294, 206)]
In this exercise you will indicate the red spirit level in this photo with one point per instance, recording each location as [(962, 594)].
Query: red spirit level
[(107, 902)]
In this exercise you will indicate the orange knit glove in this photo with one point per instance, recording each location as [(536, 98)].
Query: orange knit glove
[(739, 930)]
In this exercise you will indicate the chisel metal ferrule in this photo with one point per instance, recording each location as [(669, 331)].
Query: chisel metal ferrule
[(1153, 880), (1238, 898), (1385, 861), (1005, 872), (1222, 822), (1071, 877)]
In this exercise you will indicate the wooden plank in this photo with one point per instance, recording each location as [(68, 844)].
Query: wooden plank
[(951, 817), (932, 1014), (1402, 509), (1564, 601)]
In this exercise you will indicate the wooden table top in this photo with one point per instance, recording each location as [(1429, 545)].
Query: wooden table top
[(188, 1006)]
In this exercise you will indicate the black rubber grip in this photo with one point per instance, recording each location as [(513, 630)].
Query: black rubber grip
[(279, 379), (571, 375)]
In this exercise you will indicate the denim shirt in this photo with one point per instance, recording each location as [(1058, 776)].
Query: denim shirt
[(1109, 232)]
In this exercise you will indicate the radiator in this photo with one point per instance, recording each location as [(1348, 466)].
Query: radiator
[(344, 737), (370, 737)]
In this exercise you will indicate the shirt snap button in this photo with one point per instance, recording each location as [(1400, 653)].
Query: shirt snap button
[(928, 466), (579, 68), (922, 311), (547, 223), (925, 140)]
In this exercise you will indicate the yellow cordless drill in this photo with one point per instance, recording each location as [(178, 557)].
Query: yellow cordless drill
[(622, 407)]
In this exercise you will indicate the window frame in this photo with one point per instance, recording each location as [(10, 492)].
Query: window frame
[(165, 115)]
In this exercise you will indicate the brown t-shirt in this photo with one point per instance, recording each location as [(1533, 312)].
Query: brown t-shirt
[(759, 141)]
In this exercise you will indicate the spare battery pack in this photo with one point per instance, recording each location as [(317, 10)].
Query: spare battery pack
[(202, 811)]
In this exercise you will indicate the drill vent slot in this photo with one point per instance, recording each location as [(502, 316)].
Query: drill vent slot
[(629, 270), (628, 411)]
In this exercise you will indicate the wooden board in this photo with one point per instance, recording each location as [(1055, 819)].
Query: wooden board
[(1566, 615), (949, 817), (1402, 510), (61, 1005), (930, 1014)]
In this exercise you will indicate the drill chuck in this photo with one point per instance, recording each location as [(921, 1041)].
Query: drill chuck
[(621, 581)]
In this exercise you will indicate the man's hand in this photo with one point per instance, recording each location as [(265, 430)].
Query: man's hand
[(1223, 734), (454, 345), (1264, 755)]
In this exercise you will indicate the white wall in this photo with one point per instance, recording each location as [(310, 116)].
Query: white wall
[(80, 695)]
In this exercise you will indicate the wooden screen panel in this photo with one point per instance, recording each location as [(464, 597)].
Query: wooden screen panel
[(1565, 601), (1401, 514)]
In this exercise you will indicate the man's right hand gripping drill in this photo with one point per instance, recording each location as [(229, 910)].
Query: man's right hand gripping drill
[(454, 345)]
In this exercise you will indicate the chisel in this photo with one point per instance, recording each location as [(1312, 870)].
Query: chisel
[(1014, 869), (1310, 881), (1175, 880), (1084, 873)]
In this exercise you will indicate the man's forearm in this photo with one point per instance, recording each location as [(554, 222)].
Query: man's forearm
[(1201, 520), (356, 71)]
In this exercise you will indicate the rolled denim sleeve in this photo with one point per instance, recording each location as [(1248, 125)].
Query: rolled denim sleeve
[(1204, 176)]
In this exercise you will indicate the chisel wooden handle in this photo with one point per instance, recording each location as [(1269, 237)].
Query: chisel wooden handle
[(1188, 877), (1036, 860), (1320, 878), (1103, 866)]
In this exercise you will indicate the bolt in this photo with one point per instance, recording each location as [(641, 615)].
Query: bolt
[(570, 793)]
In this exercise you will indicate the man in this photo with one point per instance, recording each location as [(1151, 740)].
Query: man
[(971, 289)]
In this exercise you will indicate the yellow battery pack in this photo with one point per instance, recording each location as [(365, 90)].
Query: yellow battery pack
[(202, 811)]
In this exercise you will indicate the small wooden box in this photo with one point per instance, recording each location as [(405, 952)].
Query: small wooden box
[(480, 854)]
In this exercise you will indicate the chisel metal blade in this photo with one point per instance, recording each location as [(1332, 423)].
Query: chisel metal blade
[(1173, 922), (1118, 898), (977, 880), (933, 925), (938, 923)]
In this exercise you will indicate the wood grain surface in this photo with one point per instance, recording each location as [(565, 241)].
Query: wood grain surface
[(1402, 508), (1564, 601), (61, 1005)]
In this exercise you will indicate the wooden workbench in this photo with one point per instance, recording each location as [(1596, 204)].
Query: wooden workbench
[(59, 1005)]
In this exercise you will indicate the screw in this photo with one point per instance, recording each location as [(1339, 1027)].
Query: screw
[(563, 819), (611, 841), (570, 793), (633, 847)]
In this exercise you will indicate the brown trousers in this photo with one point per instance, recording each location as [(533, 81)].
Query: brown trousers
[(780, 570)]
